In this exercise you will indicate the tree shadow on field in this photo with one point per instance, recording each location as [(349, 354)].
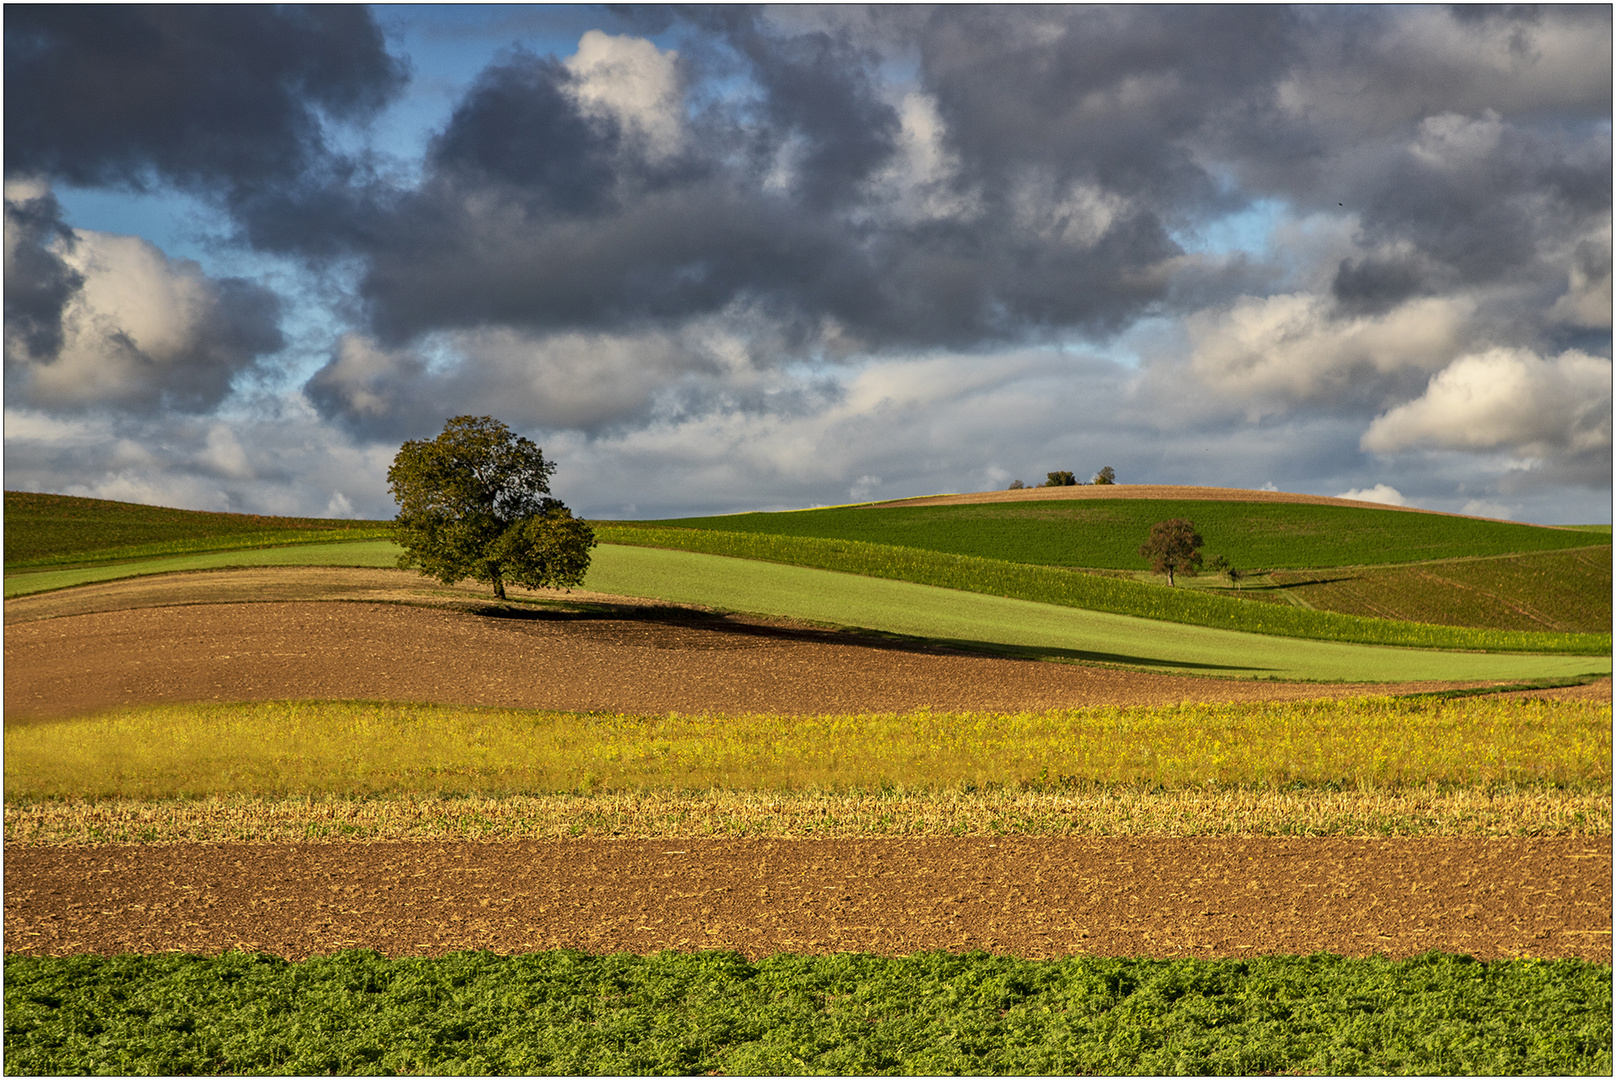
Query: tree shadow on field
[(589, 616)]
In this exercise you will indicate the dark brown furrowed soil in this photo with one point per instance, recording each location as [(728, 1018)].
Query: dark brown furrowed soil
[(116, 644), (685, 663), (1028, 897)]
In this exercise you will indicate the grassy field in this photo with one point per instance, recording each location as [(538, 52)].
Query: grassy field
[(994, 623), (373, 553), (1106, 533), (850, 1014), (1225, 609), (1020, 627), (1546, 590), (58, 530)]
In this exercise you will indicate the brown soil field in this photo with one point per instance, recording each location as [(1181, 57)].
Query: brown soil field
[(1145, 491), (250, 639), (1029, 897), (261, 635)]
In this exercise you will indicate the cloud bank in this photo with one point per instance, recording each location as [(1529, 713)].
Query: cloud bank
[(1330, 248)]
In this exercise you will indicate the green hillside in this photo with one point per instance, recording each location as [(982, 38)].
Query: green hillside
[(58, 530), (1106, 533)]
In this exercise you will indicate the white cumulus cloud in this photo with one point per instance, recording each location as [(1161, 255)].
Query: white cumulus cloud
[(1505, 400), (1380, 493)]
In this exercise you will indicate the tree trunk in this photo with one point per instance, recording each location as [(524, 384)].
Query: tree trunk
[(1169, 574), (499, 586)]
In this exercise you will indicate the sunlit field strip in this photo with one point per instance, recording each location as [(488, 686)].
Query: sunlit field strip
[(279, 749), (1053, 585), (368, 553), (1023, 810)]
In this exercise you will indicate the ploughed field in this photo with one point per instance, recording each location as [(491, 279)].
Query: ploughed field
[(693, 780)]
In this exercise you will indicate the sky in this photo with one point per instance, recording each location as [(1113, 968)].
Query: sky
[(725, 259)]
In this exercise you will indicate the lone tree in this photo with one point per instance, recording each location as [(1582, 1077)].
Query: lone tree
[(473, 503), (1173, 546), (1061, 478), (1106, 475)]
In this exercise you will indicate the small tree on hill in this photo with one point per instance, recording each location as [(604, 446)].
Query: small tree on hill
[(1106, 475), (1015, 485), (1173, 547), (1061, 478), (473, 503)]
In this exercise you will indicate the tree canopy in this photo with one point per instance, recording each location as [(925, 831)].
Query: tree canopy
[(1173, 547), (474, 503), (1061, 478), (1107, 475)]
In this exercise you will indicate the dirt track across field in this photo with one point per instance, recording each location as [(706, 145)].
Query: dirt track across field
[(1029, 897)]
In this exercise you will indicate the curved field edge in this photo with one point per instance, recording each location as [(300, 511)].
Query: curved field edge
[(936, 1013), (971, 620), (1029, 629), (1092, 592), (357, 553), (45, 530), (1105, 532)]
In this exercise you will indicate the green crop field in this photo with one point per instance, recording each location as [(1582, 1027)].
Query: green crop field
[(1106, 533), (376, 553), (56, 530), (565, 1013), (1027, 628), (1223, 609), (1546, 590)]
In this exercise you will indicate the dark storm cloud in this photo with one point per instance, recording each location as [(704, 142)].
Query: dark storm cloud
[(39, 283), (533, 214), (1112, 94), (202, 96), (517, 128), (819, 87)]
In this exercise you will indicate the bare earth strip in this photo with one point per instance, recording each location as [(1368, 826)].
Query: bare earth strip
[(264, 634), (679, 660), (1029, 897), (1153, 491)]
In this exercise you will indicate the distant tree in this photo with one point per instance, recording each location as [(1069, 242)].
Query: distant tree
[(1061, 479), (1220, 564), (1107, 475), (1173, 547), (473, 503), (1015, 485)]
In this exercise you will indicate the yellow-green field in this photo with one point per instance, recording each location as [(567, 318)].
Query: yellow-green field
[(1372, 764)]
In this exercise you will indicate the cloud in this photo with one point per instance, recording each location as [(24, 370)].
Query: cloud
[(201, 96), (1482, 508), (1380, 493), (279, 459), (636, 85), (1506, 399), (111, 321), (1275, 350)]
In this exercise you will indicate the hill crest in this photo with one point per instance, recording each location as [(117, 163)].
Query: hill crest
[(1161, 491)]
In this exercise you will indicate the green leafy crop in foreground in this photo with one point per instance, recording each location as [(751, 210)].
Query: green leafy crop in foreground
[(566, 1012)]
